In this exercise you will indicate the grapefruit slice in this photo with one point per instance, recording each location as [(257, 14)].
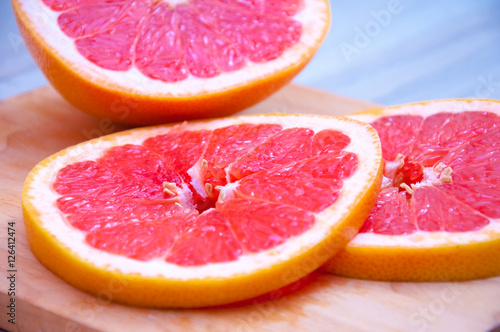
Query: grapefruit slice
[(149, 62), (438, 214), (202, 213)]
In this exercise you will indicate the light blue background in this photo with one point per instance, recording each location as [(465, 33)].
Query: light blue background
[(423, 50)]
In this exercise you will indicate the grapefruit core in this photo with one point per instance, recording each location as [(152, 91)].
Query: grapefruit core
[(202, 213), (438, 214), (149, 62)]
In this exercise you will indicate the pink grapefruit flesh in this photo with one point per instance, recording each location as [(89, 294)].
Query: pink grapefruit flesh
[(203, 213), (119, 199), (168, 41), (468, 143), (437, 216)]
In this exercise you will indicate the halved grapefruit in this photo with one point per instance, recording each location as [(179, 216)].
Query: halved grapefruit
[(202, 213), (438, 214), (150, 62)]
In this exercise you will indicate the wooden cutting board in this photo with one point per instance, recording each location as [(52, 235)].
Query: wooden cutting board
[(40, 123)]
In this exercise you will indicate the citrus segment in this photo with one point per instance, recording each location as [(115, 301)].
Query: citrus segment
[(450, 215), (89, 17), (112, 47), (398, 132), (309, 194), (224, 147), (182, 148), (101, 181), (99, 213), (122, 209), (165, 63), (211, 241), (254, 33), (260, 225), (443, 132), (141, 164), (391, 214), (144, 62), (329, 141), (480, 196), (139, 240), (312, 184), (440, 196), (273, 7), (285, 147), (60, 5)]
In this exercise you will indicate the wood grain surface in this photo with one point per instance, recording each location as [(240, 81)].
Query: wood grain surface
[(40, 123)]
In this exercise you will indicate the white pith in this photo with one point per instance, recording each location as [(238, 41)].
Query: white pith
[(314, 18), (363, 143), (422, 239)]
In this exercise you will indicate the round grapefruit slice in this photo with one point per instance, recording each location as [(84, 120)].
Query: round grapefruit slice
[(437, 216), (150, 62), (202, 213)]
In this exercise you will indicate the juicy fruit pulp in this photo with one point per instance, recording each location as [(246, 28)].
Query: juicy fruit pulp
[(442, 173), (170, 40), (160, 199)]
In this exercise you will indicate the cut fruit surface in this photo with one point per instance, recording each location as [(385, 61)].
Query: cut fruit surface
[(203, 213), (437, 216), (147, 62)]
